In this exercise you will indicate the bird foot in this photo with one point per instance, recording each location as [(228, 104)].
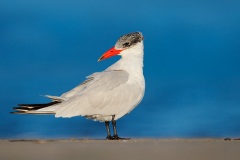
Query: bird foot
[(116, 137)]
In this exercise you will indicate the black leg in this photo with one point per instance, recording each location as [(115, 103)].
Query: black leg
[(114, 124), (108, 130), (115, 135)]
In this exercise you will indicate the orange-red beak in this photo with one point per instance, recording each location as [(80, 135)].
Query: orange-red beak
[(111, 52)]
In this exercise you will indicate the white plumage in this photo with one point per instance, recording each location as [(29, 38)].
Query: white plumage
[(107, 95), (115, 91)]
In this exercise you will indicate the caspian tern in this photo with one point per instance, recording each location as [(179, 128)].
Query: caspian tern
[(104, 96)]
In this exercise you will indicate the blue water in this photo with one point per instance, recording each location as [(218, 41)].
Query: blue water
[(192, 64)]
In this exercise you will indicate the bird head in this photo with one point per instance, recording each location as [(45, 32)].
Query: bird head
[(124, 42)]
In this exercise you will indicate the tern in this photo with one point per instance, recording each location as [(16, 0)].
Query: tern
[(104, 96)]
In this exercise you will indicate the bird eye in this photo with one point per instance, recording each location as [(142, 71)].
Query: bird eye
[(126, 44)]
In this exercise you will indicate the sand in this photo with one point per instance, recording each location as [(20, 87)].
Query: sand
[(140, 149)]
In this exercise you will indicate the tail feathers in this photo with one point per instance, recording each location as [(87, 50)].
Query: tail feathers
[(32, 108)]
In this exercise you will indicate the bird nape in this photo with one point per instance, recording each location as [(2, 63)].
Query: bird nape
[(104, 96)]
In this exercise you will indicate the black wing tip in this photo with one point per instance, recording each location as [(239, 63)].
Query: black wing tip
[(30, 108), (16, 108), (39, 105)]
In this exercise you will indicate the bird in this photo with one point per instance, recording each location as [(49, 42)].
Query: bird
[(104, 96)]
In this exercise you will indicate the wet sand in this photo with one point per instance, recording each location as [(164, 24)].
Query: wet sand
[(140, 149)]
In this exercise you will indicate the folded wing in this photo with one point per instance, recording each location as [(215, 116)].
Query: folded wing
[(103, 93)]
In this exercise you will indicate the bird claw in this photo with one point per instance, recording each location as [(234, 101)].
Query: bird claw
[(116, 137)]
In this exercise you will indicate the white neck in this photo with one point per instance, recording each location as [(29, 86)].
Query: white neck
[(131, 61)]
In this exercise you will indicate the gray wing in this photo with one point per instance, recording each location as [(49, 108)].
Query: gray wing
[(97, 95), (77, 89)]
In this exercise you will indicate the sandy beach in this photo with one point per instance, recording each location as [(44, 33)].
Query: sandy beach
[(166, 149)]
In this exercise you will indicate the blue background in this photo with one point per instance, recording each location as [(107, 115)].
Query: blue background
[(192, 64)]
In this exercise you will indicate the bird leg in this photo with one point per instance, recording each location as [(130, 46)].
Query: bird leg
[(108, 130), (115, 135)]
